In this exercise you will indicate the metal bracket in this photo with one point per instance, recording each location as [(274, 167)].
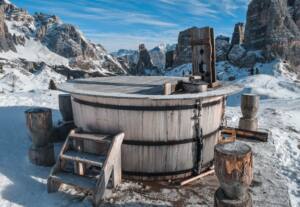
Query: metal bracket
[(199, 137)]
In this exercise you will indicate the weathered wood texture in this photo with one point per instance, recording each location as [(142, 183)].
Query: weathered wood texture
[(203, 54), (139, 87), (221, 200), (43, 156), (160, 141), (248, 124), (65, 106), (167, 88), (249, 105), (234, 168), (165, 160), (111, 167), (261, 135), (39, 124), (86, 178)]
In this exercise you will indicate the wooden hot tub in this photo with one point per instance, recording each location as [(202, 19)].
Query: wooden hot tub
[(166, 136)]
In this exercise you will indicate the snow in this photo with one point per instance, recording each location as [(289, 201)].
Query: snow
[(35, 51), (16, 79), (276, 163), (7, 1)]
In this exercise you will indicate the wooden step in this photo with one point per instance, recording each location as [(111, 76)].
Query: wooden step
[(88, 158), (82, 182), (100, 138)]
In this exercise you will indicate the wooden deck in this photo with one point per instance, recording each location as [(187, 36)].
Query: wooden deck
[(137, 87)]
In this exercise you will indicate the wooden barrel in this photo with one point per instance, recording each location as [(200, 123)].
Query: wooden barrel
[(166, 136), (234, 168), (249, 105), (39, 124), (164, 139)]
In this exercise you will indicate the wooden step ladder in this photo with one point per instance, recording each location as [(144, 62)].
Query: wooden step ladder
[(86, 162)]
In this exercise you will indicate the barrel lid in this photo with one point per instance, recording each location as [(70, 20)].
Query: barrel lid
[(150, 87)]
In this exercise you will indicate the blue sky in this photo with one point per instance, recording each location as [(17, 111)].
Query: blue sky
[(126, 23)]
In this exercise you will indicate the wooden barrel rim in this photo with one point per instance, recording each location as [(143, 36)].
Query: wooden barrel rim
[(145, 108)]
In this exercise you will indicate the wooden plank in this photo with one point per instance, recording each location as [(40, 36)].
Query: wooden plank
[(167, 89), (185, 182), (254, 135), (87, 158), (85, 183), (109, 166), (101, 138)]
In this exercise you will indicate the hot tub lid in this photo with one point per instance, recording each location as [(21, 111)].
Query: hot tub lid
[(138, 87)]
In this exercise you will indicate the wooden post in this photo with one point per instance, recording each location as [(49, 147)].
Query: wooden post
[(167, 88), (249, 107), (79, 167), (65, 107), (203, 54), (39, 124), (234, 169)]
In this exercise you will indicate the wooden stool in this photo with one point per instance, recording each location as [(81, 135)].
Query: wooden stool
[(222, 201), (249, 107), (39, 124), (234, 169), (42, 155)]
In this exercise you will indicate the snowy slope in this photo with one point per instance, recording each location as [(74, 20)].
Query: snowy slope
[(35, 51)]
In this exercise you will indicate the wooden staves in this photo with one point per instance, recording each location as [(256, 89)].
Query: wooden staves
[(203, 54)]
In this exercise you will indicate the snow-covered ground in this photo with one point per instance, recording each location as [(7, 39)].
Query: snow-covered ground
[(277, 163)]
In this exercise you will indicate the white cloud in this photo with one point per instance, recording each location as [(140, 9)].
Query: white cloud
[(115, 41), (129, 17)]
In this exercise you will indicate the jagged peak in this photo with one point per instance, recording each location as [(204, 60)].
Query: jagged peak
[(5, 2), (46, 18)]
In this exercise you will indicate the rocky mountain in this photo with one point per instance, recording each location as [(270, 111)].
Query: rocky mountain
[(157, 55), (183, 51), (273, 26), (42, 38), (272, 31)]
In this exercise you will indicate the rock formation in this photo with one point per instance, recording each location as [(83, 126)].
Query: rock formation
[(273, 27), (144, 61), (222, 47), (169, 59), (183, 53), (158, 56), (50, 32), (238, 34), (6, 39)]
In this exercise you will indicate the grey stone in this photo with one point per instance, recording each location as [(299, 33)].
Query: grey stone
[(273, 27), (222, 47), (169, 59), (236, 54), (144, 61), (238, 34), (183, 53), (6, 39)]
